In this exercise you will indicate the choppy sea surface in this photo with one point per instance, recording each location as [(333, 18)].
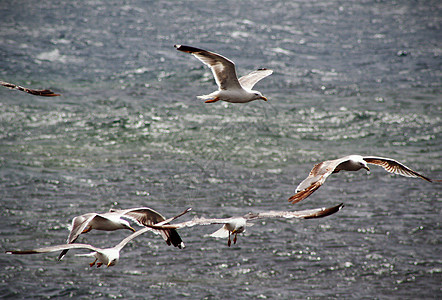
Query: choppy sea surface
[(358, 77)]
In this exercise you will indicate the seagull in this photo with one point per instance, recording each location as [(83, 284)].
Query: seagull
[(44, 93), (321, 171), (230, 88), (234, 225), (112, 220), (106, 256)]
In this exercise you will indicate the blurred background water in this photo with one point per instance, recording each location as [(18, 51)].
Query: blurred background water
[(359, 77)]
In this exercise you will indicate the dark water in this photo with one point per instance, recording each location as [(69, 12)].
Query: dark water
[(350, 78)]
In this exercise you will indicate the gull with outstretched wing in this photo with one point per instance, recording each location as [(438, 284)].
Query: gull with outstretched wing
[(230, 88), (235, 225), (322, 170)]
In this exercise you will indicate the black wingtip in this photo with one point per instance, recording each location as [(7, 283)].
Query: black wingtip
[(332, 210), (175, 239), (430, 180), (187, 49), (21, 252), (62, 254), (43, 93), (326, 212)]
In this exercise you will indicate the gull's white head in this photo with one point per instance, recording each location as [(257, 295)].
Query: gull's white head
[(126, 225), (113, 262), (236, 225), (108, 257), (365, 166), (256, 95), (359, 162)]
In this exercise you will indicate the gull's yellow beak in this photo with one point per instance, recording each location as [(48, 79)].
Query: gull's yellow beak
[(130, 227), (263, 98), (367, 168), (109, 264)]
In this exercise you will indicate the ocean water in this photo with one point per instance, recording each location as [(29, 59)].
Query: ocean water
[(362, 77)]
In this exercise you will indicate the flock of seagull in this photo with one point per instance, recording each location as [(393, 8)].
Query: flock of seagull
[(233, 90)]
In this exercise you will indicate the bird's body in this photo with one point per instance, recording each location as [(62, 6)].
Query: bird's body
[(108, 256), (230, 88), (232, 96), (114, 220), (105, 221), (235, 225), (351, 163), (322, 170)]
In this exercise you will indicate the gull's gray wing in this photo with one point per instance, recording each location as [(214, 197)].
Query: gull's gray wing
[(222, 68), (141, 215), (44, 93), (193, 222), (316, 178), (55, 248), (79, 224), (393, 166), (249, 80), (177, 216), (146, 215), (148, 228), (131, 237), (301, 214)]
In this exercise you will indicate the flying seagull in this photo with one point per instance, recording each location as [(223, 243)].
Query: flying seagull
[(112, 220), (230, 88), (235, 225), (321, 171), (107, 256), (44, 93)]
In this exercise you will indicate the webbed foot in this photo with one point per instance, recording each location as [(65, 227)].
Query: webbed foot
[(93, 263)]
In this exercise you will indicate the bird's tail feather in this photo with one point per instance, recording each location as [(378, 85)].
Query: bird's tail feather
[(86, 254), (221, 233), (206, 97)]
